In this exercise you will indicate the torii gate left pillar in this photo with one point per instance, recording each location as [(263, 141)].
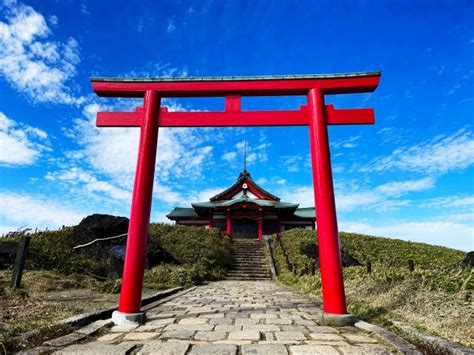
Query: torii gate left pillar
[(316, 115)]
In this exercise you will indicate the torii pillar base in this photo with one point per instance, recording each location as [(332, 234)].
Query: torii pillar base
[(337, 320), (128, 319)]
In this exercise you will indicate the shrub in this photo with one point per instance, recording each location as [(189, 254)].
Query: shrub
[(51, 251), (169, 275)]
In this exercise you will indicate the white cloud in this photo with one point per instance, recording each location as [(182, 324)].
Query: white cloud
[(349, 198), (304, 195), (32, 64), (23, 210), (20, 144), (446, 233), (171, 26), (261, 181), (229, 156), (351, 142), (77, 176), (437, 156), (401, 187), (295, 163), (451, 201), (281, 181), (205, 195)]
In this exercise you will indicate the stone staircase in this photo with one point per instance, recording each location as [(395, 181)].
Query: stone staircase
[(248, 260)]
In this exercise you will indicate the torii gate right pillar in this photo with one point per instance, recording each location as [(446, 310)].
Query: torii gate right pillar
[(329, 252)]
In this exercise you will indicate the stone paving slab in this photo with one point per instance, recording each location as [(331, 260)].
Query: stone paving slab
[(234, 317)]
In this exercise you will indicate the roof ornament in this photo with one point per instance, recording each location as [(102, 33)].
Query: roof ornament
[(245, 156)]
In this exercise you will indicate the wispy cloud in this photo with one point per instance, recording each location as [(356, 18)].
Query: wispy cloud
[(35, 211), (437, 156), (399, 188), (171, 26), (20, 144), (30, 62)]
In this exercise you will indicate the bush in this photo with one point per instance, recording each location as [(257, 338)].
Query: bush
[(189, 245), (52, 251), (168, 275)]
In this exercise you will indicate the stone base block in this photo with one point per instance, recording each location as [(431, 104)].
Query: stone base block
[(337, 320), (120, 318)]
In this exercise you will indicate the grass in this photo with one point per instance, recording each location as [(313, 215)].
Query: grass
[(435, 298), (59, 282)]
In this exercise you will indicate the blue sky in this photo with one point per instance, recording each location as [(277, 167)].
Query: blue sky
[(410, 176)]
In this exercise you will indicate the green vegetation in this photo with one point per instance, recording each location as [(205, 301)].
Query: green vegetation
[(200, 254), (436, 297), (179, 256)]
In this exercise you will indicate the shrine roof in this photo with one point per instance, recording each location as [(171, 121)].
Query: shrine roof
[(242, 199), (238, 78), (245, 175), (182, 212), (306, 212)]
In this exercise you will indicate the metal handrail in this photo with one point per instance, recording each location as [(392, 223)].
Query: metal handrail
[(99, 240)]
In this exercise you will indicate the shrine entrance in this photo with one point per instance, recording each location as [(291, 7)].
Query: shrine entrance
[(316, 115), (244, 228)]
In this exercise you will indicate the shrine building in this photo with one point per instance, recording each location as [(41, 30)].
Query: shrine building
[(245, 210)]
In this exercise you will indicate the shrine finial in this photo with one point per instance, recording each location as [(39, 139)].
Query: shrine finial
[(245, 156)]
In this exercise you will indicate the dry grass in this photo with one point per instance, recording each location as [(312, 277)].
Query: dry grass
[(433, 311), (436, 298)]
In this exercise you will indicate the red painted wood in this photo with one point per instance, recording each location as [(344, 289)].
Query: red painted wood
[(250, 187), (233, 119), (211, 221), (328, 240), (228, 225), (349, 116), (118, 119), (260, 228), (135, 255), (233, 103), (244, 88), (236, 118), (316, 115)]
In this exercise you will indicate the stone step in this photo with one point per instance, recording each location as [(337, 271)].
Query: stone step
[(240, 274), (248, 279), (249, 255), (249, 267)]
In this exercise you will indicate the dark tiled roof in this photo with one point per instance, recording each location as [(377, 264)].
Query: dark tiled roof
[(306, 212), (182, 212), (241, 78)]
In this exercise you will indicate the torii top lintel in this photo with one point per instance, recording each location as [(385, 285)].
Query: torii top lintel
[(232, 88)]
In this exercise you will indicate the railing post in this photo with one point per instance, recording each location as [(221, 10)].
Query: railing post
[(135, 255)]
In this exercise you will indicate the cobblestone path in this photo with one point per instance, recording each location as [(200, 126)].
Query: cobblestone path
[(234, 317)]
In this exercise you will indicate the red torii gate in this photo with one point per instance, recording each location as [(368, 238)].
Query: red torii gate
[(315, 114)]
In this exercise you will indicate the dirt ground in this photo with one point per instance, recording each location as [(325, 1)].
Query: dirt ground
[(43, 299)]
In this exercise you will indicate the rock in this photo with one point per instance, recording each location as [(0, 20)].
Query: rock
[(100, 226), (468, 260)]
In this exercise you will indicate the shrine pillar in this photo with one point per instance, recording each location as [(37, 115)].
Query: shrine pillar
[(135, 255), (228, 225), (260, 228), (328, 239)]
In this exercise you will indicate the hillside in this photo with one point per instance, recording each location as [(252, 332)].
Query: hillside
[(60, 282), (436, 297)]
